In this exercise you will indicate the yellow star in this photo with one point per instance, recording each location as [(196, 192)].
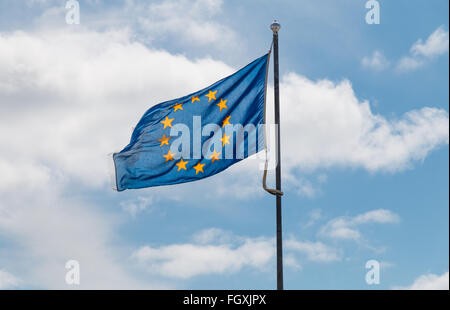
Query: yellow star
[(181, 164), (222, 105), (198, 168), (164, 140), (169, 156), (225, 139), (226, 121), (214, 156), (194, 99), (167, 122), (178, 106), (211, 95)]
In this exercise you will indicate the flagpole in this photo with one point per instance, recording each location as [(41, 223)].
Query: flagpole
[(275, 28)]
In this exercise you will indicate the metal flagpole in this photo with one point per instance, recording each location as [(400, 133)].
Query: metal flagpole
[(275, 28)]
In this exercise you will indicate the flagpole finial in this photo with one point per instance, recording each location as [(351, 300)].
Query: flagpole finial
[(275, 26)]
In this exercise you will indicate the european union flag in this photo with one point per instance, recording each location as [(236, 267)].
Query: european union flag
[(198, 135)]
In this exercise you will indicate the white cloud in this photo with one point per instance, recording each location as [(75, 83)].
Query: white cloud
[(291, 262), (214, 251), (195, 22), (435, 45), (7, 280), (314, 216), (81, 83), (348, 228), (376, 62), (303, 186), (324, 125), (409, 63), (192, 259), (314, 251), (421, 52), (82, 79), (380, 216), (428, 282), (51, 104), (135, 206), (186, 23), (213, 235), (46, 230)]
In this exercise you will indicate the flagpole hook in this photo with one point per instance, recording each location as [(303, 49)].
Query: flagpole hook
[(272, 191)]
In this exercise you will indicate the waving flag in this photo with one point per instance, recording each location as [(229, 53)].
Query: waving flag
[(198, 135)]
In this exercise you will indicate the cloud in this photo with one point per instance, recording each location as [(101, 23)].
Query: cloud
[(409, 63), (380, 216), (80, 83), (186, 23), (46, 230), (135, 206), (108, 79), (325, 125), (435, 45), (188, 260), (428, 282), (194, 22), (7, 280), (375, 62), (314, 216), (348, 228), (214, 251), (193, 259), (421, 52), (213, 235), (62, 111), (303, 186), (314, 251)]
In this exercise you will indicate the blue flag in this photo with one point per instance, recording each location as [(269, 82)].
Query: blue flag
[(198, 135)]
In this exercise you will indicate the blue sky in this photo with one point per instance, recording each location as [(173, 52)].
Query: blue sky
[(364, 133)]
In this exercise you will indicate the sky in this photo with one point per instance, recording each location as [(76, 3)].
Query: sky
[(364, 133)]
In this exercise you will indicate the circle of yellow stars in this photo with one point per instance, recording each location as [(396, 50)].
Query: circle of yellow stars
[(167, 122)]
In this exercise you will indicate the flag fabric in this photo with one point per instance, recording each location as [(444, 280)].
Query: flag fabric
[(198, 135)]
